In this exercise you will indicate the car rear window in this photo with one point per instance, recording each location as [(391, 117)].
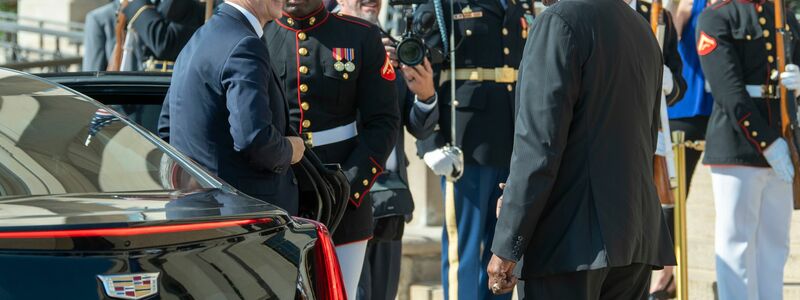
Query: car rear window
[(54, 141)]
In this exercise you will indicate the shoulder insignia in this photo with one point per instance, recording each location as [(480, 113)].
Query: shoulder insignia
[(706, 44), (387, 71)]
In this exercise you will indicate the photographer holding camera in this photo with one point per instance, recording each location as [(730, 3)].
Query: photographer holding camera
[(488, 39), (391, 198)]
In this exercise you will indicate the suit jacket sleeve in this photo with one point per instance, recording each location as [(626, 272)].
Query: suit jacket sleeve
[(551, 75), (94, 44), (244, 80), (165, 37), (419, 122), (673, 60), (720, 64), (378, 116)]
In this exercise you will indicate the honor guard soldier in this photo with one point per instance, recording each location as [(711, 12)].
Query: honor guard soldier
[(673, 84), (489, 38), (340, 88), (162, 28), (751, 169)]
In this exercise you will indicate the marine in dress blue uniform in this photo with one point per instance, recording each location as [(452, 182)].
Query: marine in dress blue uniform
[(489, 39), (750, 166), (342, 100)]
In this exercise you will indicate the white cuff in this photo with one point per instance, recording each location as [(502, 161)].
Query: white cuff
[(426, 107)]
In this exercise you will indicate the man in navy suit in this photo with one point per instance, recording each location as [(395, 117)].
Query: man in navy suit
[(225, 108)]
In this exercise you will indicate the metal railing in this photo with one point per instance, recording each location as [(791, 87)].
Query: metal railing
[(49, 46)]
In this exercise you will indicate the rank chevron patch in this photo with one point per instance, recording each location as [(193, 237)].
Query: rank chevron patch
[(706, 44)]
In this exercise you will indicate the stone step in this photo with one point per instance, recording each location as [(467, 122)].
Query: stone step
[(426, 291)]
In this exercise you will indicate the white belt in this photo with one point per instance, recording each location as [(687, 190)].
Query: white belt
[(762, 91), (330, 136)]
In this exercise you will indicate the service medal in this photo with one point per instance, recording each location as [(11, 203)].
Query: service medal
[(338, 55), (349, 54)]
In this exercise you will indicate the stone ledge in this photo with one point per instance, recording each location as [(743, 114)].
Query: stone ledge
[(422, 241)]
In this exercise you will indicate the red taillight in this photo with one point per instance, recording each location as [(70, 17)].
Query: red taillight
[(329, 282), (131, 231)]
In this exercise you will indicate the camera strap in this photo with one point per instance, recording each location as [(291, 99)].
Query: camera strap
[(437, 9)]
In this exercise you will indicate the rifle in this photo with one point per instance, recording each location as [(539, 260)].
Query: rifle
[(789, 117), (119, 31), (663, 166)]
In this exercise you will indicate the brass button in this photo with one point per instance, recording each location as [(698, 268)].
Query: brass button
[(506, 51), (290, 21), (374, 171), (760, 8), (302, 36), (769, 46), (510, 87), (365, 182), (306, 106), (644, 8), (771, 59), (356, 195), (312, 21), (306, 123), (303, 70), (766, 33), (303, 88), (763, 144), (302, 51), (345, 76), (748, 37), (746, 123), (468, 32), (762, 20), (505, 31), (754, 133), (786, 27)]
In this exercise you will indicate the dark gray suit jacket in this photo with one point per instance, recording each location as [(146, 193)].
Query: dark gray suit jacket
[(580, 194), (225, 110), (99, 38)]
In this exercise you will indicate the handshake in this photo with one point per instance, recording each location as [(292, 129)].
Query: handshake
[(446, 161)]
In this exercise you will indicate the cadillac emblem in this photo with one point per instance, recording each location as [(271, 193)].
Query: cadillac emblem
[(130, 286)]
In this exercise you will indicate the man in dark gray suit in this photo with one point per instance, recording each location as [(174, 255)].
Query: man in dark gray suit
[(580, 204), (99, 39), (225, 107)]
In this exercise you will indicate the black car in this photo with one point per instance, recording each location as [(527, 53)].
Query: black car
[(93, 206)]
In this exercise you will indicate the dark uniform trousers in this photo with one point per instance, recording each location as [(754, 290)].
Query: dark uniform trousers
[(490, 35), (620, 283), (737, 47)]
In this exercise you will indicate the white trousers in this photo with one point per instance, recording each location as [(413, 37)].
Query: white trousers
[(351, 261), (754, 209)]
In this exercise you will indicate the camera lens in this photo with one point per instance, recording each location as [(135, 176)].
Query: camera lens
[(411, 51)]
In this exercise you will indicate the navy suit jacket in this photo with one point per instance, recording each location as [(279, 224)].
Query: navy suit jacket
[(226, 111)]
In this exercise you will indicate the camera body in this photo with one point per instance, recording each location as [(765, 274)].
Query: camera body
[(411, 49)]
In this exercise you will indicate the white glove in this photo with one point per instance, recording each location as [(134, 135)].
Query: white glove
[(661, 146), (667, 83), (777, 156), (440, 163), (791, 77)]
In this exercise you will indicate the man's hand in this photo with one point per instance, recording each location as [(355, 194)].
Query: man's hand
[(420, 80), (500, 200), (388, 44), (791, 77), (440, 163), (298, 148), (667, 82), (501, 275), (777, 156)]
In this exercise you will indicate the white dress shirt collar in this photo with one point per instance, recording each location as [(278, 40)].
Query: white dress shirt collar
[(250, 17), (633, 4)]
